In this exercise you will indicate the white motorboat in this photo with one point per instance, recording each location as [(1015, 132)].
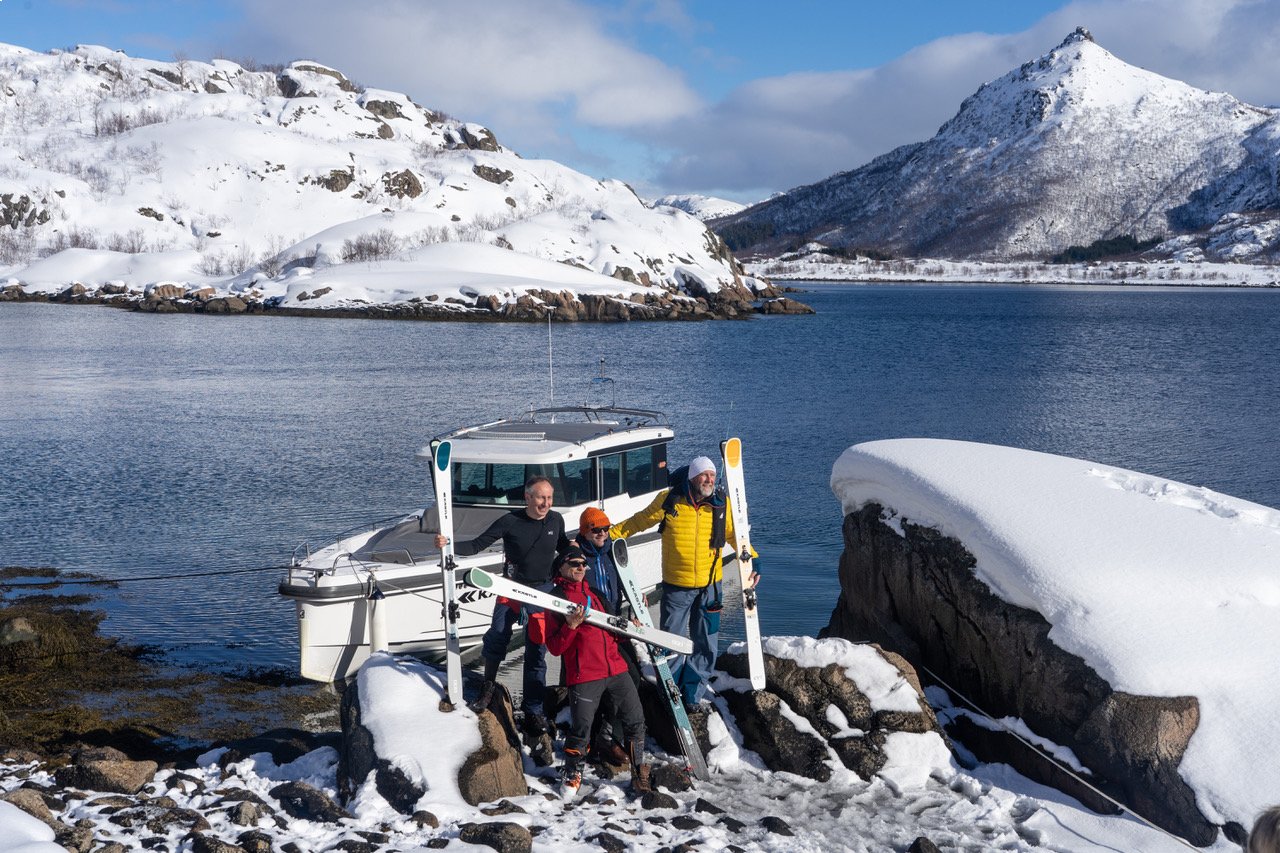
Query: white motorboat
[(608, 457)]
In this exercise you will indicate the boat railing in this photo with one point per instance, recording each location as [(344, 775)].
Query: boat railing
[(631, 418), (295, 560), (597, 414)]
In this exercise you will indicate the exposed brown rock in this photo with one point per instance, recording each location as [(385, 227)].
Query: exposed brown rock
[(917, 593)]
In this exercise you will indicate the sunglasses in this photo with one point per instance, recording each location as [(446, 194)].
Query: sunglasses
[(576, 564), (596, 531)]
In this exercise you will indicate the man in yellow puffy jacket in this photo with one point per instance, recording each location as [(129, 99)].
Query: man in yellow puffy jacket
[(695, 523)]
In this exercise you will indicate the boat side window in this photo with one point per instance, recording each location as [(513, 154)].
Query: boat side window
[(612, 482), (644, 470), (572, 481), (476, 483)]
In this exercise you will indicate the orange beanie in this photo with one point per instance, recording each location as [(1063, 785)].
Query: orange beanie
[(592, 517)]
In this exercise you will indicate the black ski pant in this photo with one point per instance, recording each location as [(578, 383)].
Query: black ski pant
[(585, 699)]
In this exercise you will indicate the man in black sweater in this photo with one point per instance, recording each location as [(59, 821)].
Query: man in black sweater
[(531, 537)]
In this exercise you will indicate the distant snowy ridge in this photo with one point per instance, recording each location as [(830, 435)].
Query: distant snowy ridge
[(1071, 148), (815, 262), (275, 184), (704, 207)]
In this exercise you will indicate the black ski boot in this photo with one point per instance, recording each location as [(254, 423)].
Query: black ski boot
[(537, 736), (489, 687)]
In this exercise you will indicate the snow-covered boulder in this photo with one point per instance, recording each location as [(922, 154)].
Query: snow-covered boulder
[(469, 759), (830, 703), (1128, 621)]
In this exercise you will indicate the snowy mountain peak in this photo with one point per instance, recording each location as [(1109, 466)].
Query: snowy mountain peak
[(1070, 148), (1078, 35)]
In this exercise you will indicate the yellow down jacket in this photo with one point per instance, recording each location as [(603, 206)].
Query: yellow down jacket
[(688, 558)]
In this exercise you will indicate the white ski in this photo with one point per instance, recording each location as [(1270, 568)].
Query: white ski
[(443, 476), (736, 488), (508, 588), (666, 684)]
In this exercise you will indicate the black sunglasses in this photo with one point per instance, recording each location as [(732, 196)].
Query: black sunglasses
[(599, 530), (576, 564)]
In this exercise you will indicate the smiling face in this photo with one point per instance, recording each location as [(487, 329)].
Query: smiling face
[(598, 536), (703, 485), (537, 499), (574, 569)]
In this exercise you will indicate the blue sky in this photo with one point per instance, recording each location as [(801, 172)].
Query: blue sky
[(735, 99)]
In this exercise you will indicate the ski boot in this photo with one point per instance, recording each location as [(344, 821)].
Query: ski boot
[(641, 784), (610, 756), (571, 774), (537, 736), (488, 688), (481, 702)]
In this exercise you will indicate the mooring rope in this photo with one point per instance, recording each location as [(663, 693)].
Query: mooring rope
[(1054, 761)]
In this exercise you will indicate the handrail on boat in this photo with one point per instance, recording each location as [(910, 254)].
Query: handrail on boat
[(592, 414)]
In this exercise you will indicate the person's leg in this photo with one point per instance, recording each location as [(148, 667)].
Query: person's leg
[(673, 617), (626, 699), (493, 649), (584, 702), (493, 646), (704, 630)]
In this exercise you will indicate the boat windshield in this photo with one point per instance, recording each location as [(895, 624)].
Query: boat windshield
[(635, 472)]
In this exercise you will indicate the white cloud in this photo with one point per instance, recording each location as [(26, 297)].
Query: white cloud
[(534, 62), (554, 77), (781, 132)]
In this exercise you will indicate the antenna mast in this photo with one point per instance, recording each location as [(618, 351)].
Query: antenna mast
[(551, 368)]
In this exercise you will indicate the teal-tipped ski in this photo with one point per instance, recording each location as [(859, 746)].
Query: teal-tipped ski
[(508, 588), (734, 485), (443, 475), (666, 684)]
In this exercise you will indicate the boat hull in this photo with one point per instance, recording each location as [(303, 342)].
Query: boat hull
[(334, 607)]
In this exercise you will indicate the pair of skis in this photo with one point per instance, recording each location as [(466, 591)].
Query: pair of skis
[(736, 488), (443, 476), (666, 683), (507, 588)]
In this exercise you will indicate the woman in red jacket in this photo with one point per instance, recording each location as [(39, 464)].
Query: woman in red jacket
[(593, 668)]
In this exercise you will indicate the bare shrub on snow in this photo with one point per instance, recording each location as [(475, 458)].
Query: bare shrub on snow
[(231, 262), (272, 262), (428, 236), (16, 245), (374, 246), (133, 241), (71, 238)]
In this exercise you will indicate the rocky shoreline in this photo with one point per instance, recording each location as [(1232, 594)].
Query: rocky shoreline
[(533, 306)]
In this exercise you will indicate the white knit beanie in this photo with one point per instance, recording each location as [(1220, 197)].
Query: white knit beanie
[(700, 465)]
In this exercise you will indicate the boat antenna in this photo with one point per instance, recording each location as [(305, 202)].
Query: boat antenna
[(603, 381), (551, 367)]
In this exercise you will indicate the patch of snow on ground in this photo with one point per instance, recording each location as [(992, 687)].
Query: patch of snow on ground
[(876, 678)]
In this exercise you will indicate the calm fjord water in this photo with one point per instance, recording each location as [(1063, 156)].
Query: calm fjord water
[(135, 444)]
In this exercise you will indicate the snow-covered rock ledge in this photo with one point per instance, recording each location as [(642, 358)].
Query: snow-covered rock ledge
[(1130, 620), (454, 282)]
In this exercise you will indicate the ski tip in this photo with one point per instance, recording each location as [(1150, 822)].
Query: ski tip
[(733, 452), (443, 449)]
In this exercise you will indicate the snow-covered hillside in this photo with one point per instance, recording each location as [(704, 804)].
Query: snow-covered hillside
[(704, 207), (1068, 149), (137, 171)]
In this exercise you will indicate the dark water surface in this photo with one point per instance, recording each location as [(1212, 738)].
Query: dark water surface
[(135, 444)]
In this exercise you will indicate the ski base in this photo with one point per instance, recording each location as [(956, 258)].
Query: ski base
[(731, 450), (689, 745), (448, 580), (507, 588)]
